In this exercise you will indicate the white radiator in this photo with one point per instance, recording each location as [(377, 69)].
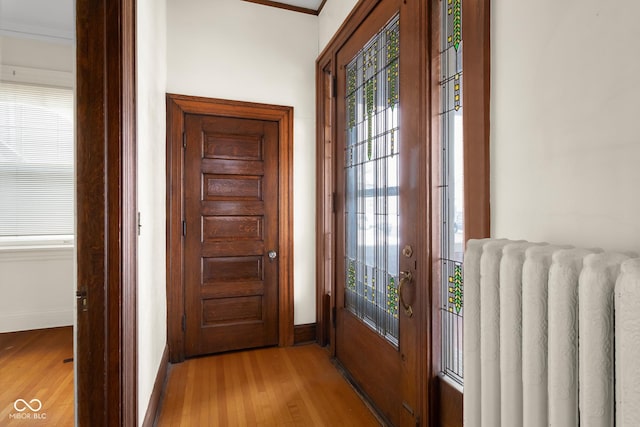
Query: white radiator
[(546, 343)]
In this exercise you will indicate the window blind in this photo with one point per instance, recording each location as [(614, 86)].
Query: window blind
[(36, 160)]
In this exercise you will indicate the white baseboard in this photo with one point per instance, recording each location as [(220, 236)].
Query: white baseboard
[(13, 322)]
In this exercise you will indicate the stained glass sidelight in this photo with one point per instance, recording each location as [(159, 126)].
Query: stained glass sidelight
[(452, 291), (371, 188)]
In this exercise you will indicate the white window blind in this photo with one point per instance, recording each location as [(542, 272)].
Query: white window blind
[(36, 160)]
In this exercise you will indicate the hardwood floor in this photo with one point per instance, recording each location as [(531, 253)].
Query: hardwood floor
[(32, 366), (280, 386)]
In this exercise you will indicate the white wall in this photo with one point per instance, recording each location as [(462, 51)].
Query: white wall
[(37, 54), (36, 283), (36, 288), (151, 86), (248, 52), (565, 122), (331, 18)]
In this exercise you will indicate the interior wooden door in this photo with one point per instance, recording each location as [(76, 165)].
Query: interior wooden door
[(377, 203), (231, 234)]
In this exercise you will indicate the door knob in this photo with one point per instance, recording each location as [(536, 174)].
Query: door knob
[(272, 255), (407, 251)]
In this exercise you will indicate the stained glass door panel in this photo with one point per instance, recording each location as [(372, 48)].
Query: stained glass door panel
[(374, 336), (371, 188)]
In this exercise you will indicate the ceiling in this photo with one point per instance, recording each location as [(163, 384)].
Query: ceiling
[(43, 19)]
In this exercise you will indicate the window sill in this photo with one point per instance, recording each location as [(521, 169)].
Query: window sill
[(455, 385), (36, 252), (39, 243), (30, 248)]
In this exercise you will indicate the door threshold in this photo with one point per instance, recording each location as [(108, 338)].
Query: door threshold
[(384, 422)]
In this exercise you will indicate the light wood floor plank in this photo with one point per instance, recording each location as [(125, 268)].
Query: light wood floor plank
[(32, 367), (291, 386)]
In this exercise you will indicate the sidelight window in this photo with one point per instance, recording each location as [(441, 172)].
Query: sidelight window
[(452, 215)]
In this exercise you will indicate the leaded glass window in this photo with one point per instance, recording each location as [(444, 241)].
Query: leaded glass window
[(452, 303), (371, 193)]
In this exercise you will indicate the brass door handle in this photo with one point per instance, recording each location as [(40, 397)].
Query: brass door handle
[(405, 278)]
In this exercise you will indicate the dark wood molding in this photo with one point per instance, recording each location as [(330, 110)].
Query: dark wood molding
[(285, 6), (324, 202), (448, 403), (348, 27), (177, 107), (153, 409), (476, 57), (321, 6), (106, 210), (304, 333), (432, 403), (325, 171)]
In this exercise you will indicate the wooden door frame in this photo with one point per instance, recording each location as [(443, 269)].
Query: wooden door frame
[(106, 230), (177, 107), (476, 59), (326, 134)]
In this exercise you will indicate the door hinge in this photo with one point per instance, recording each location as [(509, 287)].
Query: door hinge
[(184, 140), (139, 224), (184, 322), (333, 316), (82, 300), (184, 228), (333, 202), (334, 88)]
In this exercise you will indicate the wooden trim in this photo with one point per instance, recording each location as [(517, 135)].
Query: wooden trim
[(175, 262), (304, 333), (348, 27), (177, 107), (321, 6), (325, 174), (447, 403), (285, 6), (106, 210), (159, 385), (325, 222), (476, 57), (433, 364), (127, 231)]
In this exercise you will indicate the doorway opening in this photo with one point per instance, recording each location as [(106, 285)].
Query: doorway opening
[(37, 220)]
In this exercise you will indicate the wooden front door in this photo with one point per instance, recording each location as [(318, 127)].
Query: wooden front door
[(377, 204), (231, 234)]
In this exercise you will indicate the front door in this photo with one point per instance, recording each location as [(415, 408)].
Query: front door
[(231, 234), (378, 237)]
